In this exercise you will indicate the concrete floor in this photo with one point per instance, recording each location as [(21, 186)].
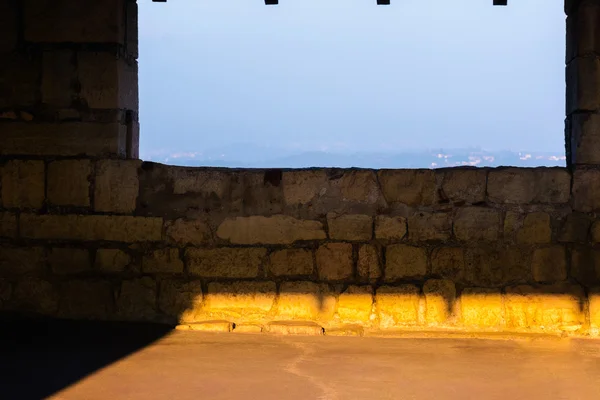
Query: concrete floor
[(193, 365)]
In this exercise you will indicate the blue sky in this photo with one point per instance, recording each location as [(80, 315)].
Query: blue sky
[(347, 75)]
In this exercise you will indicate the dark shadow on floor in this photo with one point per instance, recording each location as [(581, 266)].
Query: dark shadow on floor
[(38, 358)]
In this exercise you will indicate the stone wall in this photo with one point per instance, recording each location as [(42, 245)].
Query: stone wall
[(345, 249)]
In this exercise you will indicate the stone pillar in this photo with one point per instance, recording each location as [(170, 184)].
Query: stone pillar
[(583, 82), (68, 78)]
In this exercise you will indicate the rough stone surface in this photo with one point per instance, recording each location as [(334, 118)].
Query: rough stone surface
[(69, 261), (586, 190), (448, 262), (549, 264), (111, 260), (425, 226), (91, 227), (595, 232), (183, 232), (369, 263), (137, 299), (585, 137), (305, 301), (117, 186), (464, 185), (350, 227), (397, 306), (583, 33), (278, 229), (536, 229), (359, 186), (334, 261), (404, 261), (206, 182), (547, 308), (355, 304), (477, 223), (585, 266), (8, 225), (575, 228), (493, 266), (482, 308), (21, 260), (390, 228), (295, 328), (410, 187), (440, 296), (36, 295), (583, 84), (594, 299), (211, 326), (163, 261), (241, 298), (225, 262), (68, 183), (526, 185), (181, 300), (86, 299), (291, 262), (301, 187), (23, 184)]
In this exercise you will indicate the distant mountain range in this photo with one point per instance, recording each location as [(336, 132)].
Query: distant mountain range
[(253, 156)]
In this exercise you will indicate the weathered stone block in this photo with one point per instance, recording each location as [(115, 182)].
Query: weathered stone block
[(278, 229), (350, 227), (482, 308), (116, 185), (463, 185), (477, 223), (553, 185), (163, 261), (359, 186), (21, 260), (440, 296), (23, 184), (390, 228), (536, 229), (397, 305), (35, 295), (586, 190), (86, 299), (585, 266), (291, 262), (525, 185), (256, 192), (20, 73), (493, 266), (180, 300), (90, 139), (107, 82), (369, 263), (585, 137), (594, 304), (137, 299), (545, 308), (208, 183), (305, 301), (91, 227), (448, 262), (183, 232), (411, 187), (549, 264), (59, 73), (355, 304), (295, 328), (8, 225), (334, 261), (301, 187), (68, 183), (69, 261), (404, 261), (245, 299), (575, 228), (111, 260), (583, 84), (68, 21), (595, 232), (583, 31), (209, 326), (225, 262), (425, 226)]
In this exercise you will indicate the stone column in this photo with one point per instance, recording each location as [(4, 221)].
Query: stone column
[(583, 82), (68, 79)]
